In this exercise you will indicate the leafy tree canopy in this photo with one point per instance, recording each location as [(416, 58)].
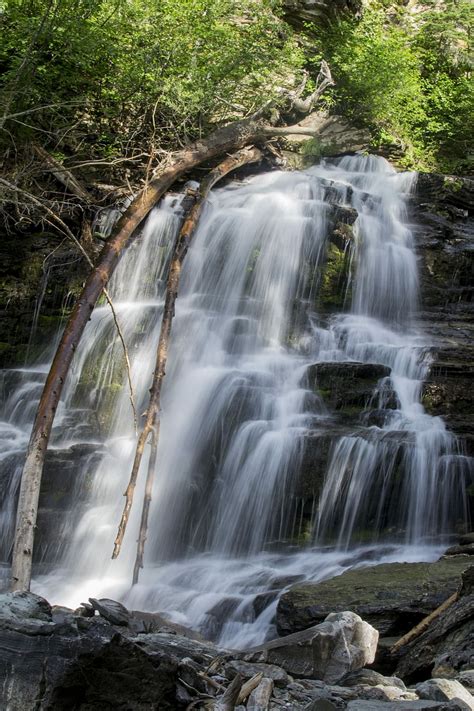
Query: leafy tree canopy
[(113, 70), (406, 71)]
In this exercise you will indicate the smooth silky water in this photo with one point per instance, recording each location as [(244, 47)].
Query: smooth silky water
[(226, 525)]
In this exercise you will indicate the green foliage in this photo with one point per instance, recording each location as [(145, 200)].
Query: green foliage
[(104, 78), (112, 68), (408, 76)]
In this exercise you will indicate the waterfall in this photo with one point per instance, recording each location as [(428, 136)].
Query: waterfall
[(229, 525)]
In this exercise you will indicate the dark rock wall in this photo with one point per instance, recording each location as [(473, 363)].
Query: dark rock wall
[(443, 208), (40, 275), (298, 12)]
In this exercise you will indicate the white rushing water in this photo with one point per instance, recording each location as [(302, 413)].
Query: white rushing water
[(226, 512)]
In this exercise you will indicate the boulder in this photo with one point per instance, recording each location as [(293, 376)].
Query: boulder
[(392, 597), (466, 678), (369, 677), (176, 647), (152, 622), (33, 610), (385, 693), (75, 662), (343, 642), (444, 690), (111, 610)]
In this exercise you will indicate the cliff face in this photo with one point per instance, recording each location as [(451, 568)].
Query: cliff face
[(297, 12), (443, 209), (39, 277)]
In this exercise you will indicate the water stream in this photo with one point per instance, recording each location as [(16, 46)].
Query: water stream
[(229, 525)]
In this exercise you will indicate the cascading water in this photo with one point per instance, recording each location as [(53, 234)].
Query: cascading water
[(226, 513)]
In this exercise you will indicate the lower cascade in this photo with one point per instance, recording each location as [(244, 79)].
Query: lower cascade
[(293, 442)]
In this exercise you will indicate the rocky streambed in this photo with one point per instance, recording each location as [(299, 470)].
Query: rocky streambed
[(333, 652)]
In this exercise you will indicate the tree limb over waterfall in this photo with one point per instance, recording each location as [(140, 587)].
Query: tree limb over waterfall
[(228, 139), (151, 426)]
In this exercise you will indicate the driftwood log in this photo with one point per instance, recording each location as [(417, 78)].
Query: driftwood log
[(228, 700), (225, 140), (151, 425)]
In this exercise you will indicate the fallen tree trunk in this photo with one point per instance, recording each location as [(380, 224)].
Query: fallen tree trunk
[(224, 140), (249, 155)]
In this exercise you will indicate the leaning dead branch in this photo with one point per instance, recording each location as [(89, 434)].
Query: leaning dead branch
[(151, 426), (323, 80)]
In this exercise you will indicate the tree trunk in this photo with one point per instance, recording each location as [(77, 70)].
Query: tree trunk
[(224, 140), (151, 426)]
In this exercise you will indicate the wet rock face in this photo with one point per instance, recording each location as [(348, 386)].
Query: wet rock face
[(443, 209), (34, 269), (346, 387), (391, 597), (67, 480)]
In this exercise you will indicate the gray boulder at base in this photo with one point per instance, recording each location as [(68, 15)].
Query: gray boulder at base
[(111, 610), (369, 677), (444, 690), (467, 679), (80, 662), (343, 642)]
